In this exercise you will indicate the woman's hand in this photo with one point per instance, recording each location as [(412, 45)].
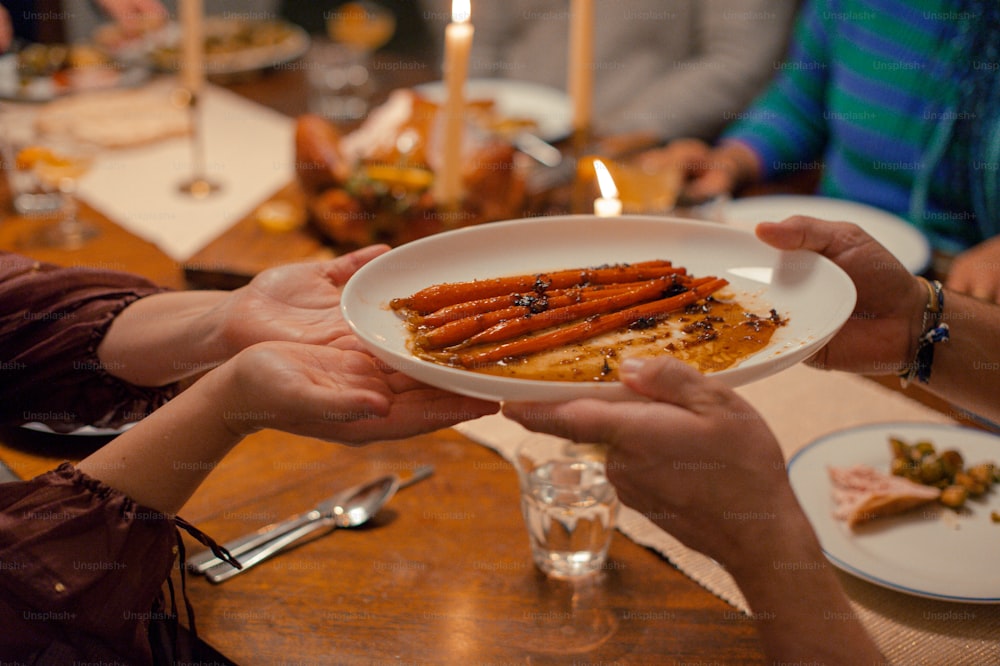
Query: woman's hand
[(976, 271), (331, 393), (338, 394), (880, 336), (296, 302)]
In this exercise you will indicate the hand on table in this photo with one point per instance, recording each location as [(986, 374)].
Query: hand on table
[(708, 172), (976, 271)]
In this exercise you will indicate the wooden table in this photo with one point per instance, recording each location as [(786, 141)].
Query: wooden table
[(443, 575)]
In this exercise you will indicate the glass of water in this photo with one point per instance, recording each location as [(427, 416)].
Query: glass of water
[(569, 506)]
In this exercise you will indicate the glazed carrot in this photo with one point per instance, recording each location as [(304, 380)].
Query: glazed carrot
[(438, 296), (453, 332), (512, 328), (589, 328), (459, 311)]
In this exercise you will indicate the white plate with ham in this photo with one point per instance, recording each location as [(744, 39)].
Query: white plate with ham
[(929, 550)]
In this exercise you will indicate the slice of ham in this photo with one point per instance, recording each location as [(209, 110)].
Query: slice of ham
[(862, 493)]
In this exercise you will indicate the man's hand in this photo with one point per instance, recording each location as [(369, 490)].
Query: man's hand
[(880, 337)]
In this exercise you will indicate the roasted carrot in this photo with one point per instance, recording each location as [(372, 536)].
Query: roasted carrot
[(454, 332), (512, 328), (459, 311), (588, 328), (438, 296)]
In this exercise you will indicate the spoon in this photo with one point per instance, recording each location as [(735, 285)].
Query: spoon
[(351, 511), (205, 560)]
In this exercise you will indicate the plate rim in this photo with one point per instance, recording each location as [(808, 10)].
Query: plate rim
[(916, 267), (847, 566), (601, 390), (564, 128)]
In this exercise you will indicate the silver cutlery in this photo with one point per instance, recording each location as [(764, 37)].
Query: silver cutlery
[(348, 508)]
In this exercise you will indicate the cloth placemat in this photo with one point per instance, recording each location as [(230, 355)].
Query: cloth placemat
[(802, 404), (249, 149)]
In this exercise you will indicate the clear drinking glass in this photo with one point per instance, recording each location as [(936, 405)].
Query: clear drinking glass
[(17, 132), (57, 164), (569, 506)]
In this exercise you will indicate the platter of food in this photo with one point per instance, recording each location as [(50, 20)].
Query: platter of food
[(376, 183), (905, 241), (909, 541), (549, 109), (729, 287), (233, 46), (44, 72)]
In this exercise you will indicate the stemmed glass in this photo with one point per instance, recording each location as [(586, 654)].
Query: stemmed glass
[(57, 166), (343, 82), (364, 26)]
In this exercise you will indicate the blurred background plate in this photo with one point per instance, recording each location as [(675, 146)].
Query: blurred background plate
[(905, 241), (47, 87), (235, 46), (550, 108)]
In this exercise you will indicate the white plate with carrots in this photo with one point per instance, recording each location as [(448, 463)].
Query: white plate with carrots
[(808, 291)]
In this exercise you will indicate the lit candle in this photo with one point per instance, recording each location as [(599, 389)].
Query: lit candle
[(457, 45), (608, 204), (192, 65), (580, 65)]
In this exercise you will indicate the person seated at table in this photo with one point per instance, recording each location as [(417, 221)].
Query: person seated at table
[(673, 69), (87, 547), (900, 105), (683, 421)]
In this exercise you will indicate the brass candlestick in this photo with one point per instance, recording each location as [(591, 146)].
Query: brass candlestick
[(199, 186), (581, 198)]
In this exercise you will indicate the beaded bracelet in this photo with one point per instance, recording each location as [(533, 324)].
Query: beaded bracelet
[(934, 331)]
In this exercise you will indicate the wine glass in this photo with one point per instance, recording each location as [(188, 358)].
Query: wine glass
[(364, 26), (57, 166), (342, 80)]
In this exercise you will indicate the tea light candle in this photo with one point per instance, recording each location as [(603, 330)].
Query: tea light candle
[(458, 44), (608, 204), (192, 64), (580, 64)]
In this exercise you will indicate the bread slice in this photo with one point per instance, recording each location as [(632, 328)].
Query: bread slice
[(862, 493)]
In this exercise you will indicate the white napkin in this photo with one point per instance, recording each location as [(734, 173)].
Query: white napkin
[(249, 149)]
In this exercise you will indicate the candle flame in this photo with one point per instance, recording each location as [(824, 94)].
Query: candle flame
[(461, 10), (604, 181)]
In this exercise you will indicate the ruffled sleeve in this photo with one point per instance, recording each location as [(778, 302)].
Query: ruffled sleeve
[(52, 320), (85, 568)]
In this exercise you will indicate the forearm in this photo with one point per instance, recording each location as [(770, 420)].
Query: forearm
[(164, 338), (798, 606), (966, 369), (163, 459)]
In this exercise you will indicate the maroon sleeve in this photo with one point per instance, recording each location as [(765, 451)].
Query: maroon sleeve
[(51, 321), (84, 570)]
